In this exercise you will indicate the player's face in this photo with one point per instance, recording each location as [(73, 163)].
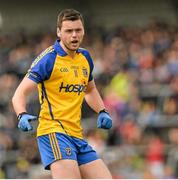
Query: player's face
[(71, 34)]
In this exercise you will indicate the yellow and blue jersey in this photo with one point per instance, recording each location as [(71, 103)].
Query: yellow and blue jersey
[(62, 82)]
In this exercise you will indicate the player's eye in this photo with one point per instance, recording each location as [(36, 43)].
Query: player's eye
[(69, 30), (78, 30)]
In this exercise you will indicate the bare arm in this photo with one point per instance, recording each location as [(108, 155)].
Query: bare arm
[(93, 97), (20, 96)]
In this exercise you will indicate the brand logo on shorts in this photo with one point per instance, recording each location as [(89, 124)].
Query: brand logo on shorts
[(68, 151)]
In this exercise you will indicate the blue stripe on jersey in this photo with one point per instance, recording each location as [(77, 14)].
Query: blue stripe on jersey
[(89, 59), (42, 70), (49, 104), (42, 95)]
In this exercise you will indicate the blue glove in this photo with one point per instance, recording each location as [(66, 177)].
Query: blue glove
[(24, 119), (104, 120)]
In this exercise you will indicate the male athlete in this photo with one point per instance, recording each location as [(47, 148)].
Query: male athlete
[(63, 75)]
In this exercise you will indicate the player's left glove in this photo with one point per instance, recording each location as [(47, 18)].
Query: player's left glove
[(104, 120)]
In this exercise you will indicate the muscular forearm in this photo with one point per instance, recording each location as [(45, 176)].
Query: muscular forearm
[(21, 94), (94, 100), (19, 102)]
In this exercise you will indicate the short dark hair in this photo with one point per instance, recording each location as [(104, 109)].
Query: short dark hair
[(68, 14)]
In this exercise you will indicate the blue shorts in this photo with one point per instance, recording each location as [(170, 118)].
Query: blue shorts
[(56, 146)]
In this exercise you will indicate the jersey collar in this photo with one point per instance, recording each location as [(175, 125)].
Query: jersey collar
[(59, 49)]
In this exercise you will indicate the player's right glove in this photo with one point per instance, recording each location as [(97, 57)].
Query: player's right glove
[(24, 121)]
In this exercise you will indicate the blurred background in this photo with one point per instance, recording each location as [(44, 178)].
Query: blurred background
[(134, 45)]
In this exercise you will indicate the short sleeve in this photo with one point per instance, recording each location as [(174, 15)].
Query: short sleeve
[(42, 67)]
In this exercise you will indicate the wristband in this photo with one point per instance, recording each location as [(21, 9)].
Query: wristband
[(104, 110), (20, 115)]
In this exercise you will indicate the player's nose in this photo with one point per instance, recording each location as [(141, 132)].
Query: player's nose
[(74, 33)]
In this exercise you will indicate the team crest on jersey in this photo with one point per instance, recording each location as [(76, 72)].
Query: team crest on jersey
[(85, 72), (68, 151)]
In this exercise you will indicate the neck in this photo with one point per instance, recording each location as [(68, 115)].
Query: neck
[(71, 53)]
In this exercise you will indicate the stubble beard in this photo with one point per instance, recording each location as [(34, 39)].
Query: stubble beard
[(71, 49)]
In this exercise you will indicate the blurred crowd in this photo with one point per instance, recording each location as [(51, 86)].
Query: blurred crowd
[(136, 72)]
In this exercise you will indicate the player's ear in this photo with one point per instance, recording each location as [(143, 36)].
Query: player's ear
[(83, 31), (58, 32)]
